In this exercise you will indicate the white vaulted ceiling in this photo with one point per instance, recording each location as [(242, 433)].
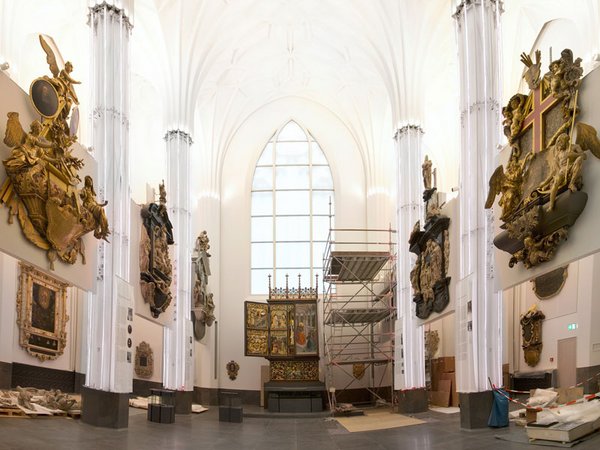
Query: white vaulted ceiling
[(207, 66), (216, 62)]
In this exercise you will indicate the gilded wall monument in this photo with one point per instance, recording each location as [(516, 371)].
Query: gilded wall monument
[(429, 276), (540, 187), (203, 305), (41, 189), (156, 271)]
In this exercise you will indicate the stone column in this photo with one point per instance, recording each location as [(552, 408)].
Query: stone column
[(478, 302), (178, 372), (410, 354), (109, 370)]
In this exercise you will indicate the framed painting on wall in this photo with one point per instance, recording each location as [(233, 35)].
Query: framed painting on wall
[(41, 313)]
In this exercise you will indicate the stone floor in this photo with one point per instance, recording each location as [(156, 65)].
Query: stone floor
[(204, 431)]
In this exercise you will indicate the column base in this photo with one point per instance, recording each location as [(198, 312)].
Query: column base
[(183, 402), (412, 401), (475, 408), (104, 409)]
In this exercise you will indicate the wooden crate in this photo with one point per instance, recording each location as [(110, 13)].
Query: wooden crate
[(11, 412)]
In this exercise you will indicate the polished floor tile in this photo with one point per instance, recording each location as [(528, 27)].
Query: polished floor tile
[(204, 431)]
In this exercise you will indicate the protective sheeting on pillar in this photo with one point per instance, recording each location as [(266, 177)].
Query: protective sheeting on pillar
[(410, 357), (178, 341), (478, 302), (109, 311)]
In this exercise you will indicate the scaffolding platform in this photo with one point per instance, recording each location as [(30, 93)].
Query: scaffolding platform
[(359, 313)]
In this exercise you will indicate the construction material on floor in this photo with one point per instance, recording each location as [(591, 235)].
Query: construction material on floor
[(445, 410), (142, 403), (377, 419), (33, 402)]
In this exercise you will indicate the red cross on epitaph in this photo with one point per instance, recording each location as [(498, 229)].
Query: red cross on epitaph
[(535, 117)]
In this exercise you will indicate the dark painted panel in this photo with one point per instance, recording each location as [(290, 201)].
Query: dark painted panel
[(44, 378)]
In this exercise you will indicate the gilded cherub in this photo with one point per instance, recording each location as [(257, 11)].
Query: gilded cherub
[(566, 162), (28, 148), (88, 197), (514, 115), (508, 184), (62, 80)]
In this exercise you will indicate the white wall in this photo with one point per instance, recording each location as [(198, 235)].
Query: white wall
[(575, 304), (445, 328)]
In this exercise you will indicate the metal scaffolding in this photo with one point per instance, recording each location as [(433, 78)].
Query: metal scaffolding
[(359, 269)]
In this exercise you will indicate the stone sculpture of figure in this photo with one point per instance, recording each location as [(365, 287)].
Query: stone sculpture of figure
[(426, 168), (88, 197), (162, 193), (203, 242), (566, 160)]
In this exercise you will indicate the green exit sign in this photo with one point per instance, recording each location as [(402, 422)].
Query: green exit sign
[(572, 326)]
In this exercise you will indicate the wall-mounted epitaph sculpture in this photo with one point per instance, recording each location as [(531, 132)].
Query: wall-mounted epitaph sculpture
[(428, 277), (540, 187), (531, 325), (232, 369), (144, 360), (203, 305), (550, 284), (42, 184), (155, 264), (41, 313)]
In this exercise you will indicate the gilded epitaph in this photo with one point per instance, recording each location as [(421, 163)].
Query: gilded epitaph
[(156, 271), (429, 276), (42, 184), (540, 187)]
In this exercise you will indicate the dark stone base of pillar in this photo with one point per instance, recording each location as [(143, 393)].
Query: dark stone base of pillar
[(183, 402), (412, 401), (104, 409), (5, 375), (475, 408)]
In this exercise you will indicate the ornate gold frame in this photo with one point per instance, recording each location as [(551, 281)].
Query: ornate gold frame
[(144, 351), (42, 336)]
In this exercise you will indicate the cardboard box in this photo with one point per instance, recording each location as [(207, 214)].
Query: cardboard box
[(451, 376), (446, 364), (566, 395), (506, 376), (439, 398)]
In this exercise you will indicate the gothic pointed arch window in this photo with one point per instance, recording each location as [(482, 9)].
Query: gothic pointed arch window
[(292, 198)]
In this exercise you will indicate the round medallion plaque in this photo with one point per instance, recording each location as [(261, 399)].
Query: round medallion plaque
[(44, 97)]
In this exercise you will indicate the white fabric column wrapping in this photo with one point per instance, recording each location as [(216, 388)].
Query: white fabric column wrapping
[(411, 373), (110, 32), (178, 350), (479, 328)]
